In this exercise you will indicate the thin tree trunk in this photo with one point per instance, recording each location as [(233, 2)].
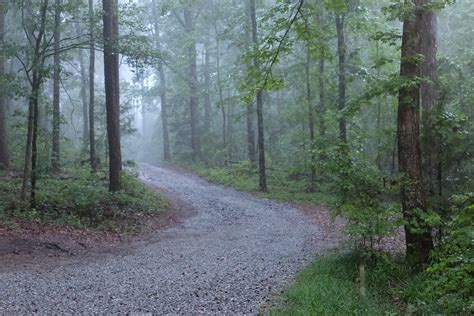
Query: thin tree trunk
[(250, 110), (163, 99), (341, 53), (112, 96), (55, 154), (4, 154), (309, 102), (83, 93), (29, 173), (207, 87), (92, 149), (193, 86), (419, 242), (221, 95), (261, 137), (322, 105)]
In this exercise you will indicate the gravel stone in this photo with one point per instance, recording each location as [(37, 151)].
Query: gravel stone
[(233, 255)]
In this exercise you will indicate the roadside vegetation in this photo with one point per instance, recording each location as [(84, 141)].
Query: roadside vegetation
[(80, 198), (334, 284)]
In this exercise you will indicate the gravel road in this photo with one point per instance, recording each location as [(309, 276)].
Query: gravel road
[(232, 255)]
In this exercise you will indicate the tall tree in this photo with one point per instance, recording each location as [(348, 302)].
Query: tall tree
[(162, 76), (341, 53), (187, 22), (34, 73), (309, 102), (55, 154), (112, 93), (4, 154), (250, 109), (92, 149), (261, 137), (83, 94), (418, 237), (207, 85), (429, 100)]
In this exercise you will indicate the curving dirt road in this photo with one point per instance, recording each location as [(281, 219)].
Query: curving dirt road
[(232, 254)]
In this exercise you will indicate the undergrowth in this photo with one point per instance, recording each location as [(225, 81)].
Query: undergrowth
[(81, 199)]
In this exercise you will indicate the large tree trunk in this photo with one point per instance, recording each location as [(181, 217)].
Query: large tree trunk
[(341, 53), (419, 242), (4, 155), (193, 86), (112, 93), (55, 154), (162, 75), (92, 150), (261, 137), (221, 94), (429, 101), (309, 102)]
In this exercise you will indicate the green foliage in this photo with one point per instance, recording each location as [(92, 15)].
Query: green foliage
[(81, 198), (451, 274), (363, 200), (329, 286)]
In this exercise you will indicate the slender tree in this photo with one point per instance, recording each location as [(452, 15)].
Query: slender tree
[(341, 53), (261, 138), (55, 154), (162, 76), (92, 149), (83, 94), (112, 93), (4, 154), (418, 241)]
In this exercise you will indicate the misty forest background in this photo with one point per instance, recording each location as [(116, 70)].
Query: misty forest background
[(361, 105)]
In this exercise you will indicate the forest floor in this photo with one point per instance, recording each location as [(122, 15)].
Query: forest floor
[(223, 251)]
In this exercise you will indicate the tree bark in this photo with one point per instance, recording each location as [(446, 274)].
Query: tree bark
[(163, 99), (92, 149), (83, 94), (341, 53), (322, 105), (419, 243), (207, 87), (193, 86), (429, 101), (112, 93), (262, 177), (309, 102), (4, 154), (37, 65), (55, 154)]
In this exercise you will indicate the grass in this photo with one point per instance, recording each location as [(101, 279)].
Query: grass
[(281, 185), (81, 199), (331, 286)]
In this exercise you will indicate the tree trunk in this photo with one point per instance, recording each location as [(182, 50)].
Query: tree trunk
[(250, 110), (4, 154), (193, 86), (429, 100), (221, 95), (83, 93), (207, 87), (322, 105), (92, 150), (261, 137), (163, 99), (341, 53), (112, 93), (29, 168), (309, 102), (55, 154), (419, 243)]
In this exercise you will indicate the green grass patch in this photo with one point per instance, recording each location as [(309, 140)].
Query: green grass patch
[(81, 199), (282, 185), (330, 286)]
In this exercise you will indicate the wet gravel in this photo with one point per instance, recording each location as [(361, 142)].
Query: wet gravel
[(233, 255)]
